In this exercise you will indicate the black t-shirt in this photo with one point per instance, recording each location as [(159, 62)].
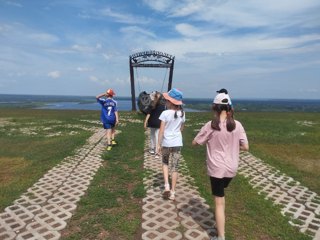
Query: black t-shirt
[(154, 120)]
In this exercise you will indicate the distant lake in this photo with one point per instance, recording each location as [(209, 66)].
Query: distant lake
[(124, 103)]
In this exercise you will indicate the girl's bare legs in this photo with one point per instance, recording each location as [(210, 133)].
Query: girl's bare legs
[(165, 170), (220, 215), (174, 181), (153, 139)]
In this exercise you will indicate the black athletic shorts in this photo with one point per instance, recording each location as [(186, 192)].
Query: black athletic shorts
[(218, 185)]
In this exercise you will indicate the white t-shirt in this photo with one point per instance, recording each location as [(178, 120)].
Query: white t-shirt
[(172, 136)]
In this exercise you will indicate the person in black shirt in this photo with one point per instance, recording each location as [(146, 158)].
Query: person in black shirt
[(152, 121)]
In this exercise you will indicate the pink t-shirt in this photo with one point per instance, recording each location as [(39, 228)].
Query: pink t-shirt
[(223, 148)]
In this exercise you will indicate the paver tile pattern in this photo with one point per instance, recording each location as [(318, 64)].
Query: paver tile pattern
[(296, 201), (188, 217), (42, 212)]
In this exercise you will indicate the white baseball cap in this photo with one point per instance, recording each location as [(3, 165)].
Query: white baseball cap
[(222, 98)]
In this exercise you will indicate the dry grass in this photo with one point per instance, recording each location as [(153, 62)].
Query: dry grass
[(11, 169)]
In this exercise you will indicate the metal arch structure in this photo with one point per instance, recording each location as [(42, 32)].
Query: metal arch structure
[(153, 59)]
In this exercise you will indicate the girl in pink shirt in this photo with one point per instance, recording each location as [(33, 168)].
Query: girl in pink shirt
[(224, 138)]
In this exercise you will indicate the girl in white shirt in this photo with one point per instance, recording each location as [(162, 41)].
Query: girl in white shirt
[(170, 139)]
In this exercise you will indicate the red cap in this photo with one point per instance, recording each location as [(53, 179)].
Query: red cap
[(110, 92)]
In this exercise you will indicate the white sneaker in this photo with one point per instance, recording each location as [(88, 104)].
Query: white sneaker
[(172, 196), (151, 151), (157, 156)]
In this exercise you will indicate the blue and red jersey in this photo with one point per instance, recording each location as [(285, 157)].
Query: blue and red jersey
[(109, 107)]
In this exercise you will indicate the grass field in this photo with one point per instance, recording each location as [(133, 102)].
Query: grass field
[(33, 141)]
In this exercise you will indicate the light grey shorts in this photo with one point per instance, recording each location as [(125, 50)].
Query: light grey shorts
[(172, 155)]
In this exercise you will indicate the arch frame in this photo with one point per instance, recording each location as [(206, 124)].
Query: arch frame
[(153, 59)]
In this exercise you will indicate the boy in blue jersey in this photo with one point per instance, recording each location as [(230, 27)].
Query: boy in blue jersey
[(109, 115)]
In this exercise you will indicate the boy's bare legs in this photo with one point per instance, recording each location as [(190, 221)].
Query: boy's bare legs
[(220, 215), (109, 138), (113, 131)]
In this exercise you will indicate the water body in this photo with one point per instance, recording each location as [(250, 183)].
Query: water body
[(124, 103)]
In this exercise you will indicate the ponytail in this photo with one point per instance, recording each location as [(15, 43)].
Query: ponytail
[(217, 109), (231, 124), (179, 107)]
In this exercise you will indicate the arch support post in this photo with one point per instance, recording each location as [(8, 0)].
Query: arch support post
[(133, 91), (170, 75)]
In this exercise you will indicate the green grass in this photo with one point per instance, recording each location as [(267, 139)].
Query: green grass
[(249, 216), (111, 208), (288, 141), (28, 149)]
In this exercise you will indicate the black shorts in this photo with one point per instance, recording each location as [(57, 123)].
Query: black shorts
[(218, 185)]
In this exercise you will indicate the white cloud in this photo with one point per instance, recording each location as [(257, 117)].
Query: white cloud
[(159, 5), (43, 37), (84, 69), (103, 82), (15, 4), (94, 79), (138, 31), (54, 74), (211, 39), (230, 45), (189, 30), (82, 48), (106, 56), (249, 13), (123, 17)]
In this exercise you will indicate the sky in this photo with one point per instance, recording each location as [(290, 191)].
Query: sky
[(253, 48)]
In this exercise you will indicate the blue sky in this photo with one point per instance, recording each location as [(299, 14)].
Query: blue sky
[(254, 48)]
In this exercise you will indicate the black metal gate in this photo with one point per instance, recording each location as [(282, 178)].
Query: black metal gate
[(153, 59)]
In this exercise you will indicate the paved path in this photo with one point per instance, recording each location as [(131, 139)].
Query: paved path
[(189, 217), (294, 200), (43, 211)]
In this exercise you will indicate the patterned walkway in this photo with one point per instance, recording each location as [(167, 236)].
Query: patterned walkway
[(188, 217), (296, 201), (43, 211)]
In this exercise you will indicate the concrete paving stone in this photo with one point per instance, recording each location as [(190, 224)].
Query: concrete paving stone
[(66, 196), (34, 235), (313, 206), (196, 234), (162, 218), (61, 211), (27, 199), (167, 235), (7, 235), (258, 181), (20, 215), (297, 201), (43, 210), (11, 222), (48, 220), (301, 193)]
